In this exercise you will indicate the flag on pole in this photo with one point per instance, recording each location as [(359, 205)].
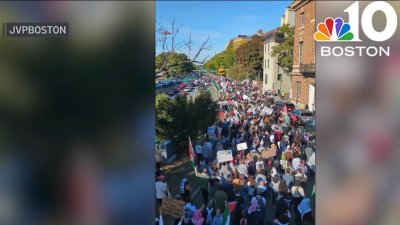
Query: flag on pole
[(226, 217), (192, 156)]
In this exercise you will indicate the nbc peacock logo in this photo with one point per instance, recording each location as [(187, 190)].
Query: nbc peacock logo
[(333, 30)]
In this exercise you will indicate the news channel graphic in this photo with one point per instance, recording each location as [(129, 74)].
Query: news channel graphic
[(348, 30), (357, 49), (35, 29)]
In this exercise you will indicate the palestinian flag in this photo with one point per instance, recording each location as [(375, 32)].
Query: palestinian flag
[(226, 216), (192, 156)]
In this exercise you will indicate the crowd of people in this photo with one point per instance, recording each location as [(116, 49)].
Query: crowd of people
[(243, 190)]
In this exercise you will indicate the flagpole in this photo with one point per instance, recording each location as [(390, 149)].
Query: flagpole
[(192, 156)]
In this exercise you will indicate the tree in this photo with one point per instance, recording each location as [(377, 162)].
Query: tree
[(178, 119), (250, 56), (284, 50), (167, 40), (225, 59), (237, 72), (179, 62)]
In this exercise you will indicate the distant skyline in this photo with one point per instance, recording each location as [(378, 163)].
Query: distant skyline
[(222, 20)]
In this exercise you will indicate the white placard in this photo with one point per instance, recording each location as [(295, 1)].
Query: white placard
[(296, 163), (224, 156), (241, 146)]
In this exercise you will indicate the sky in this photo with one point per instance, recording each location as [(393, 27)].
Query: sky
[(222, 20)]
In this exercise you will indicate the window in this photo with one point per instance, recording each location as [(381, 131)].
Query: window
[(268, 47), (302, 19), (268, 63), (300, 52), (298, 88), (279, 77), (265, 63), (266, 79)]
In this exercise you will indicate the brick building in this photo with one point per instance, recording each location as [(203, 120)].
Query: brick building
[(303, 74), (275, 77)]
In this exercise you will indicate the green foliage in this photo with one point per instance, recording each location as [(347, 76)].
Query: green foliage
[(250, 56), (284, 50), (225, 59), (178, 63), (237, 72), (177, 119)]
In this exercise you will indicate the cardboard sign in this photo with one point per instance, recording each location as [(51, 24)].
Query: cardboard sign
[(224, 156), (173, 207), (241, 146), (269, 153)]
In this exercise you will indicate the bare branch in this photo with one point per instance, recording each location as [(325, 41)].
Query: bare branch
[(189, 44), (203, 46), (174, 31)]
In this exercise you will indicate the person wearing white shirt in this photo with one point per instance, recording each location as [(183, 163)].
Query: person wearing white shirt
[(161, 190), (272, 138)]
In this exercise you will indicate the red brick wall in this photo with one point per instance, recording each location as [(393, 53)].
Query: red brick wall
[(305, 34), (303, 98)]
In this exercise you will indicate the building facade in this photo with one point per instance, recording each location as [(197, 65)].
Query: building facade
[(303, 74), (276, 78), (240, 40)]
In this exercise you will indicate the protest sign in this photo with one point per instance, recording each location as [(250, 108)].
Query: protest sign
[(224, 156), (173, 207), (269, 153), (241, 146), (268, 111), (296, 163)]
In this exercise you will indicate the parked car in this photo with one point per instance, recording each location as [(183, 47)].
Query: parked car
[(309, 125), (170, 92), (280, 104), (303, 114)]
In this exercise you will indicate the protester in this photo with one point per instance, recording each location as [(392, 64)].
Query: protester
[(248, 117), (198, 218), (297, 193), (161, 190), (220, 198), (253, 213), (288, 177), (274, 187), (304, 212), (185, 190), (209, 212)]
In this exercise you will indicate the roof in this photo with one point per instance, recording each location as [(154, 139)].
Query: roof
[(298, 3), (243, 36), (270, 35)]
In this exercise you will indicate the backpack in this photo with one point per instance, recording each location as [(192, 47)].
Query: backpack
[(254, 218), (261, 207)]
